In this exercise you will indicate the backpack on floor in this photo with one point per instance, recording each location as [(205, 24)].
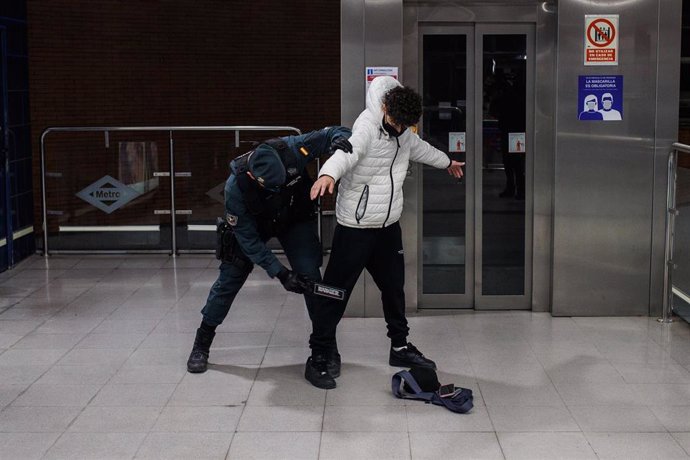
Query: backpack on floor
[(405, 386)]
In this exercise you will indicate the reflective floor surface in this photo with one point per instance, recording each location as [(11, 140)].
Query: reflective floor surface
[(92, 365)]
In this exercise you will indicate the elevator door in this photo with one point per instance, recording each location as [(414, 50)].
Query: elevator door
[(477, 88)]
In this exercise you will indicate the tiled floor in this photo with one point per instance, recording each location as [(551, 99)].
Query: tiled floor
[(92, 365)]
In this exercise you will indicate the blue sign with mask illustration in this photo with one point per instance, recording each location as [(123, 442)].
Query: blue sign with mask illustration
[(600, 97)]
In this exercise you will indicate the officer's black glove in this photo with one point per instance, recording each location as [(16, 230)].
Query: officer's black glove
[(293, 282), (340, 143)]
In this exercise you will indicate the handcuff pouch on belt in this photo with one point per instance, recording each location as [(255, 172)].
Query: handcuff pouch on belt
[(227, 247)]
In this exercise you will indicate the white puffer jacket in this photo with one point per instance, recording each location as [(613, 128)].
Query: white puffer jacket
[(371, 177)]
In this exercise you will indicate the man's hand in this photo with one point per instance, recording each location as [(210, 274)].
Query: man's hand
[(322, 184), (340, 143), (455, 169), (293, 282)]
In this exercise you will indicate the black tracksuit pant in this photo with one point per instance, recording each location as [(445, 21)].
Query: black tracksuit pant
[(380, 251)]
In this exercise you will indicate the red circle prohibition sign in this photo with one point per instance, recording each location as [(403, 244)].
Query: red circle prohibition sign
[(594, 25)]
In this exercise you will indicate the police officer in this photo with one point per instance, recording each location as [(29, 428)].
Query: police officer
[(267, 195)]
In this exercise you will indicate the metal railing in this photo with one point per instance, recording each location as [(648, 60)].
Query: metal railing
[(170, 129), (671, 213)]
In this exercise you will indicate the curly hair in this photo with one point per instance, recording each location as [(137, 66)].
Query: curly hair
[(403, 105)]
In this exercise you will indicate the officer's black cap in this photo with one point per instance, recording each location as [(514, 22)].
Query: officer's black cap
[(267, 168)]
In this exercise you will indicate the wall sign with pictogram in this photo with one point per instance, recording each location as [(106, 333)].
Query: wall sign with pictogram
[(373, 72), (601, 39)]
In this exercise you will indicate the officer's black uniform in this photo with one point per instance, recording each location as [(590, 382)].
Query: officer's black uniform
[(258, 209)]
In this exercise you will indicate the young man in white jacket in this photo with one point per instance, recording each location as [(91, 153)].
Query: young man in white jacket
[(368, 235)]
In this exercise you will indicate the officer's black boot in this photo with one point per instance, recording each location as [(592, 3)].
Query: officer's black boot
[(316, 371), (198, 359)]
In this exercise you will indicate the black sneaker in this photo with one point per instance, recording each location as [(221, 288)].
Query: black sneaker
[(333, 364), (409, 357), (316, 371)]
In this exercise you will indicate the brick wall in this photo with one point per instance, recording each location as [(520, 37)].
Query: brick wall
[(173, 62)]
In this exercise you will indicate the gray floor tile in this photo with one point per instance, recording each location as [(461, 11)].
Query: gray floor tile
[(213, 394), (610, 419), (429, 418), (185, 445), (36, 357), (508, 393), (653, 373), (339, 445), (25, 446), (365, 418), (236, 356), (531, 419), (8, 340), (113, 357), (584, 371), (21, 374), (365, 386), (57, 395), (48, 341), (635, 446), (674, 418), (134, 394), (19, 327), (124, 326), (8, 392), (150, 374), (19, 312), (80, 374), (89, 262), (289, 388), (684, 440), (69, 325), (96, 445), (281, 418), (115, 420), (198, 419), (111, 340), (532, 446), (434, 446), (37, 419), (288, 446), (589, 394), (665, 394), (158, 356)]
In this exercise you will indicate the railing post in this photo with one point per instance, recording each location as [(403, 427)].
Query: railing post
[(43, 193), (173, 222), (671, 212)]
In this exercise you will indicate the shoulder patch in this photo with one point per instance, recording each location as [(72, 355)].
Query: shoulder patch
[(231, 220)]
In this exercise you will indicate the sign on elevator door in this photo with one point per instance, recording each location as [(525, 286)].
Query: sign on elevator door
[(601, 39), (600, 97)]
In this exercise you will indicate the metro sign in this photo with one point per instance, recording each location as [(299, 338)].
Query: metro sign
[(108, 194)]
